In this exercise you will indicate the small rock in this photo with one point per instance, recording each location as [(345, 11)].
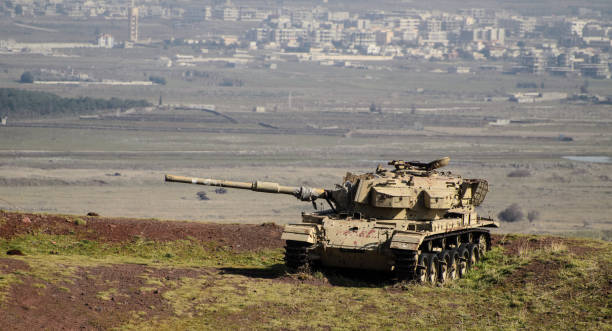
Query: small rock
[(14, 252), (91, 213), (26, 220)]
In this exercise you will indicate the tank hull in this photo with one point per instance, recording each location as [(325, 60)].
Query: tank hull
[(383, 245)]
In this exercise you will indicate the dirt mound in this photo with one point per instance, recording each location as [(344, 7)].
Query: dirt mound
[(239, 237)]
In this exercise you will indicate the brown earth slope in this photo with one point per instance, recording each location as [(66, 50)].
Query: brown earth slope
[(58, 289)]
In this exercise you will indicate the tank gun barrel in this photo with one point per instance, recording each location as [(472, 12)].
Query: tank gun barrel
[(302, 192)]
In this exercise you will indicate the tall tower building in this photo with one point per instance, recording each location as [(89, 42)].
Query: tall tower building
[(133, 21)]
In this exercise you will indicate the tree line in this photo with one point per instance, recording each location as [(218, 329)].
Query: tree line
[(23, 103)]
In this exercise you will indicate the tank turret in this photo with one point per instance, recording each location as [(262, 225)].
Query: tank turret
[(411, 219)]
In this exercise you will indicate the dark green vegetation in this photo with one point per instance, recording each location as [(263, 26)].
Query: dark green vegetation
[(26, 78), (525, 282), (158, 80), (23, 103)]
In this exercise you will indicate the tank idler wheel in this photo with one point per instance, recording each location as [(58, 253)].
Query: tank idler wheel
[(453, 265), (462, 261), (474, 255), (296, 255)]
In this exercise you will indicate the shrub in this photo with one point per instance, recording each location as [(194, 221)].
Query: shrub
[(512, 213), (202, 195), (158, 80), (27, 78), (533, 215), (80, 221), (519, 173)]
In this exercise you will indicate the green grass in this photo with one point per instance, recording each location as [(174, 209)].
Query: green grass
[(141, 250), (543, 287)]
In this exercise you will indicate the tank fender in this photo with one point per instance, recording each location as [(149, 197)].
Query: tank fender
[(406, 240), (300, 232)]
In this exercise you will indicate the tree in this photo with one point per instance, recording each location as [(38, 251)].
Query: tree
[(585, 87), (373, 107), (26, 78), (486, 52), (533, 215), (158, 80), (511, 214)]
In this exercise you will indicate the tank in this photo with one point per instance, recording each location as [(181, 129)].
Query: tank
[(410, 219)]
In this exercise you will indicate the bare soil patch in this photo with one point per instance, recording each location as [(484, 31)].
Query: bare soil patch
[(95, 298), (238, 237)]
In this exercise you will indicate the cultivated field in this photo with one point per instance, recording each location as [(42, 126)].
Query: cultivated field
[(115, 165)]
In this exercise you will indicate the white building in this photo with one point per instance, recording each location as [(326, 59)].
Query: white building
[(106, 40)]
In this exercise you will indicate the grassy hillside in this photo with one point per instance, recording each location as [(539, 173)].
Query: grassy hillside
[(95, 272)]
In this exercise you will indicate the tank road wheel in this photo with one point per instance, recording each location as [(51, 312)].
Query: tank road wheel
[(433, 269), (422, 269), (474, 255), (462, 262), (444, 266), (453, 265), (482, 243), (296, 255), (405, 264)]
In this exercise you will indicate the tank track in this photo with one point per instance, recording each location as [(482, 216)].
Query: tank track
[(296, 255), (407, 265)]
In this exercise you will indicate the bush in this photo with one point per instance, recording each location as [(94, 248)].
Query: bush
[(158, 80), (533, 215), (202, 196), (80, 221), (511, 214), (27, 78), (519, 173)]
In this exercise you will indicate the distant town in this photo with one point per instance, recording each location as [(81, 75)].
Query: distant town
[(500, 40)]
